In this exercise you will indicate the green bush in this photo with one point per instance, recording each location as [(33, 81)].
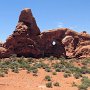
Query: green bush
[(57, 65), (77, 75), (74, 84), (23, 64), (5, 70), (86, 80), (38, 65), (43, 65), (58, 70), (35, 74), (54, 73), (35, 70), (2, 74), (16, 70), (49, 84), (30, 60), (48, 69), (51, 58), (67, 71), (82, 87), (66, 75), (48, 78), (56, 84), (85, 83), (32, 69), (62, 58)]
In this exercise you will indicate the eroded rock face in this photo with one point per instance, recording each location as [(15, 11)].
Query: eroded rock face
[(47, 39), (23, 41), (28, 41), (67, 40), (83, 48), (83, 51), (28, 22)]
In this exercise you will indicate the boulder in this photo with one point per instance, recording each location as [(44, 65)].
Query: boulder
[(67, 40), (83, 51)]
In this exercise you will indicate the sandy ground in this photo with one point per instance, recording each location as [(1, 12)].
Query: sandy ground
[(24, 81)]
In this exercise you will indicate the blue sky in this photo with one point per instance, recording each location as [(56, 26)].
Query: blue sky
[(49, 14)]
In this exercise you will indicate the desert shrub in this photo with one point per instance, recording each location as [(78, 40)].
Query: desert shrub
[(6, 71), (88, 70), (16, 70), (23, 64), (75, 69), (74, 84), (67, 71), (30, 60), (48, 69), (82, 87), (43, 65), (57, 65), (49, 84), (62, 58), (51, 58), (86, 80), (54, 73), (85, 83), (66, 75), (56, 84), (13, 57), (28, 69), (63, 70), (86, 61), (13, 64), (35, 70), (4, 64), (35, 74), (77, 75), (48, 78), (32, 69), (38, 65), (67, 64), (85, 70), (2, 74), (58, 70)]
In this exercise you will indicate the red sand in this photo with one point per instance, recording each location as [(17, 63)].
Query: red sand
[(24, 81)]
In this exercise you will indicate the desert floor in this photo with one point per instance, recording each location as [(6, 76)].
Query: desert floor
[(29, 81)]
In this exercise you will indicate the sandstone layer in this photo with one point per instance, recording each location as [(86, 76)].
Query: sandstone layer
[(28, 41)]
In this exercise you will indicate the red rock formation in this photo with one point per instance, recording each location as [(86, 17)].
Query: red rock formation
[(47, 39), (27, 40), (82, 51), (83, 48), (27, 21), (23, 40)]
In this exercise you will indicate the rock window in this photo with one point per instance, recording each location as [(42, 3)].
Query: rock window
[(53, 43)]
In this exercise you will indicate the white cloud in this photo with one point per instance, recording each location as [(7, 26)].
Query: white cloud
[(60, 25), (73, 27)]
